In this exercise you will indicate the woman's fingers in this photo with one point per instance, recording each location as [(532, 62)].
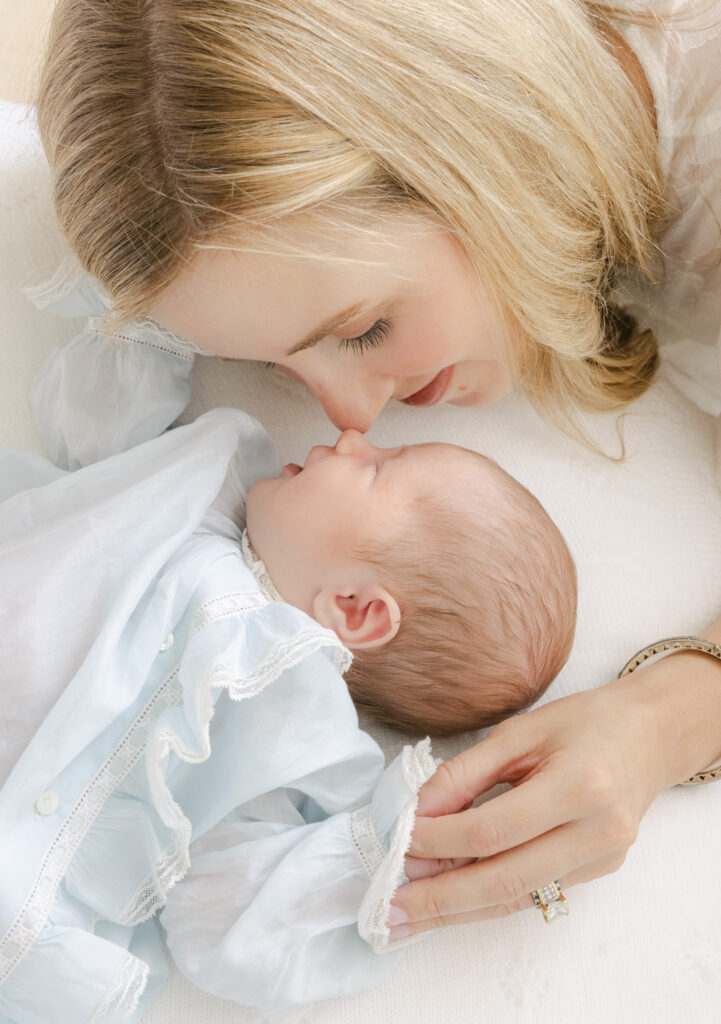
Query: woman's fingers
[(597, 869), (417, 867), (459, 781), (586, 873), (400, 931), (508, 820), (507, 877)]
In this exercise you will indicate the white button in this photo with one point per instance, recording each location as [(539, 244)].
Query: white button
[(46, 803), (167, 643)]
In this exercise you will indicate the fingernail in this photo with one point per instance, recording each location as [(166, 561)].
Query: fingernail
[(400, 931), (397, 916)]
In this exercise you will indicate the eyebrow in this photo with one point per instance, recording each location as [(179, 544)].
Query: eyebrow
[(327, 328)]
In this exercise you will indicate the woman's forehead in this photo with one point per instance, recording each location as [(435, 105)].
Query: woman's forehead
[(272, 296)]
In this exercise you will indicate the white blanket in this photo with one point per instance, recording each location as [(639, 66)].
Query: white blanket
[(640, 945)]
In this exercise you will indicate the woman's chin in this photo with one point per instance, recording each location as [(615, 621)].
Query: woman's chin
[(468, 398), (481, 394)]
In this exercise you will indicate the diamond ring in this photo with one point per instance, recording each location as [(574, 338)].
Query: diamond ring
[(550, 900)]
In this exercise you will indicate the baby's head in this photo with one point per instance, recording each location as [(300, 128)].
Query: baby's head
[(443, 574)]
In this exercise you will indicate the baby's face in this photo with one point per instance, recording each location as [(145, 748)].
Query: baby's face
[(309, 524)]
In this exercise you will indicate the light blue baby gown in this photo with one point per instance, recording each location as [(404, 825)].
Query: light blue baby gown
[(197, 747)]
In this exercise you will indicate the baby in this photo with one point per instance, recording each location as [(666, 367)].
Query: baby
[(444, 576), (186, 753)]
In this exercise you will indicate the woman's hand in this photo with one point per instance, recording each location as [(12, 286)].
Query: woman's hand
[(584, 769)]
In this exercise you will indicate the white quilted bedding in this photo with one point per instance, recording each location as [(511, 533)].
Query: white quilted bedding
[(641, 945)]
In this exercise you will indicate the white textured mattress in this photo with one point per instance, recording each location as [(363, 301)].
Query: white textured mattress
[(641, 945)]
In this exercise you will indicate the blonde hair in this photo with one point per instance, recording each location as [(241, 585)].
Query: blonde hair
[(487, 590), (170, 124)]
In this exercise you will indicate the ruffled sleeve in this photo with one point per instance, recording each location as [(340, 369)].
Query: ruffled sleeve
[(285, 904), (105, 391)]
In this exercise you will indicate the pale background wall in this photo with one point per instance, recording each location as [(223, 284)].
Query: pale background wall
[(23, 26)]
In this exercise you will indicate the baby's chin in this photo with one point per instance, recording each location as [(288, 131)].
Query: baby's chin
[(259, 496)]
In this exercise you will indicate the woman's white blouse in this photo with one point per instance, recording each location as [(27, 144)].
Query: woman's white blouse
[(681, 58), (194, 748), (105, 391)]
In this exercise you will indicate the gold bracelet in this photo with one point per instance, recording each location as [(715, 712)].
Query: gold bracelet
[(678, 643)]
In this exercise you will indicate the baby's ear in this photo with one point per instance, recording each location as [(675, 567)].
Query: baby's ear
[(368, 617)]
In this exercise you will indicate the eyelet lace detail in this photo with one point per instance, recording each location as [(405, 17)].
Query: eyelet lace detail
[(35, 911), (150, 334), (226, 607), (145, 735), (364, 839)]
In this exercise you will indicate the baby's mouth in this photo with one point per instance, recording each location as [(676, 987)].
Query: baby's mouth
[(291, 469)]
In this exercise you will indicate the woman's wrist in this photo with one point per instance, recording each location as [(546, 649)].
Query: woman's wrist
[(681, 693)]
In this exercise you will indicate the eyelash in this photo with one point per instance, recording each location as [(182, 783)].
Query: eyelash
[(371, 339)]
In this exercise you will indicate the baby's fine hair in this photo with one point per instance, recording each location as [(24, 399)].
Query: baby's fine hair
[(175, 125), (488, 603)]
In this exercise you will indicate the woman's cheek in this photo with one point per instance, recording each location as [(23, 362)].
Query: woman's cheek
[(416, 352)]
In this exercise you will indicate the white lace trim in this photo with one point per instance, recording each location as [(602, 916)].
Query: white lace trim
[(175, 861), (151, 335), (68, 277), (35, 911), (121, 1000), (287, 655), (45, 290), (418, 766), (168, 869), (257, 567)]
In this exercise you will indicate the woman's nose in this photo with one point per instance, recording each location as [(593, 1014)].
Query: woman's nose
[(352, 442), (351, 402)]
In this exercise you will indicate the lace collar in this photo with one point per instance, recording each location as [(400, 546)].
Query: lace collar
[(267, 587)]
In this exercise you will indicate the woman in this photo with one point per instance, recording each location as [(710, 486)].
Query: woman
[(428, 202)]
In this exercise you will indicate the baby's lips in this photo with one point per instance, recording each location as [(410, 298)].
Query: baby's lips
[(291, 469)]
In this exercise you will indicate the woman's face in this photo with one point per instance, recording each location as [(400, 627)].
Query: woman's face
[(364, 322)]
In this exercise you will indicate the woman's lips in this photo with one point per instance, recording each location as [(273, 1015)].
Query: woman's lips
[(432, 392)]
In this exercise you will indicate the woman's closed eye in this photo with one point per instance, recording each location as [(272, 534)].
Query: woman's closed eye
[(370, 339)]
